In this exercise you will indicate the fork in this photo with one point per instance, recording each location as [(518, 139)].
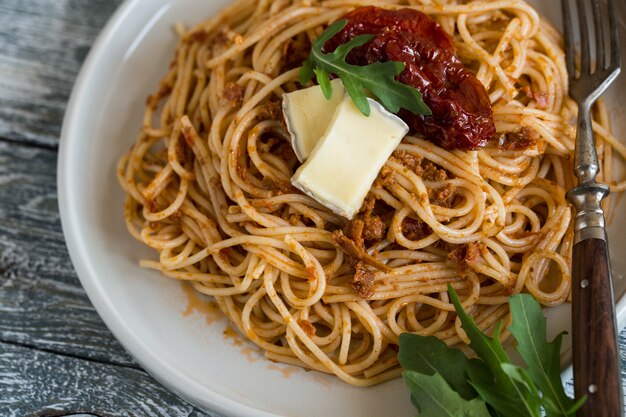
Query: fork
[(596, 360)]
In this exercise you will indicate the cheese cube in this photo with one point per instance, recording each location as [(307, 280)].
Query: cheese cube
[(308, 114), (345, 162)]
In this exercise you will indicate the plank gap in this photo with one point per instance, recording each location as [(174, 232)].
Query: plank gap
[(70, 355), (31, 143), (59, 413)]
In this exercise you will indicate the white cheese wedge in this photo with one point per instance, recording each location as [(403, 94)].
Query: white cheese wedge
[(308, 114), (344, 164)]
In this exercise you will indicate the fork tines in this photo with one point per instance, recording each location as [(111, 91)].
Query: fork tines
[(600, 34)]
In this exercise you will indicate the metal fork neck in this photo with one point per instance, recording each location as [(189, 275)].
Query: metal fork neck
[(585, 156), (588, 195)]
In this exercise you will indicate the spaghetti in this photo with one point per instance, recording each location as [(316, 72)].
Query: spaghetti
[(208, 187)]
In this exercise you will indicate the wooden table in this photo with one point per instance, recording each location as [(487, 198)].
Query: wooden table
[(56, 355)]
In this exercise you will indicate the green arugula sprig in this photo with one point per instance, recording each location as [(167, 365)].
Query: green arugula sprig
[(543, 358), (377, 78), (444, 382)]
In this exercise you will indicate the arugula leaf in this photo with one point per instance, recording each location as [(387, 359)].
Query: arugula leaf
[(444, 382), (429, 356), (520, 375), (324, 81), (542, 358), (500, 403), (306, 71), (519, 398), (435, 398), (378, 78)]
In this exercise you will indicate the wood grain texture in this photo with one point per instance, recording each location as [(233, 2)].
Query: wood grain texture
[(35, 383), (596, 360), (621, 341), (42, 304), (42, 45)]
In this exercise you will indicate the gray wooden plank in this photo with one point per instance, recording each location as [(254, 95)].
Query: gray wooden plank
[(42, 303), (35, 383), (42, 45)]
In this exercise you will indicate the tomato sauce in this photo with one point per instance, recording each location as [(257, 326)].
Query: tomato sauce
[(461, 110)]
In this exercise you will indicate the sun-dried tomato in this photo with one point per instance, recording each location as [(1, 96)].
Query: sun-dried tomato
[(461, 109)]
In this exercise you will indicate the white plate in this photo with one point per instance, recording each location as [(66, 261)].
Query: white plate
[(145, 310)]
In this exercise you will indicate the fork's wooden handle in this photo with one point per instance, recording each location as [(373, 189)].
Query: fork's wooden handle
[(596, 361)]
